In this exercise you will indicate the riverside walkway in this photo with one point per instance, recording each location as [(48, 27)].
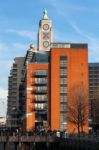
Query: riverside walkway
[(37, 138), (50, 141)]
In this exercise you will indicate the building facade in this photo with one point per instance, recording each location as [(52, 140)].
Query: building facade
[(69, 68), (48, 83), (93, 95), (13, 92)]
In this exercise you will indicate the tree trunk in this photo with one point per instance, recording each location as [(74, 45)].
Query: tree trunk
[(81, 128), (78, 130)]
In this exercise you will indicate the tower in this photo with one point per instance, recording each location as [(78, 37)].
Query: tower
[(45, 33)]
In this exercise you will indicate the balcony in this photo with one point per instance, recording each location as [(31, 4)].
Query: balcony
[(40, 106), (40, 110), (40, 75), (40, 92), (40, 101), (40, 83), (14, 82), (43, 112)]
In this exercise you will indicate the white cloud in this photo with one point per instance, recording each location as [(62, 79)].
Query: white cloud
[(3, 101), (93, 42), (24, 33), (80, 31), (20, 46), (3, 93), (67, 7), (3, 47)]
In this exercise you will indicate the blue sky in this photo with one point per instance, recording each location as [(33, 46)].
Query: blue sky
[(73, 21)]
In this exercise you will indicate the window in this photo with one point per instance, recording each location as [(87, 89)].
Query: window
[(63, 107), (62, 117), (41, 80), (63, 126), (41, 88), (41, 72), (95, 72), (63, 89), (41, 97), (96, 76), (63, 80), (90, 80), (96, 84), (63, 58), (63, 61), (40, 106), (63, 98), (63, 72)]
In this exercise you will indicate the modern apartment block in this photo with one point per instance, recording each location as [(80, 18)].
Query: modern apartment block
[(69, 68), (13, 92), (94, 94), (48, 81)]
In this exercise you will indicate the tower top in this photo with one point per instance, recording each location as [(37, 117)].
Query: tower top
[(45, 14)]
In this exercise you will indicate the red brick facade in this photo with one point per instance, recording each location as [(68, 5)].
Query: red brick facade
[(77, 73)]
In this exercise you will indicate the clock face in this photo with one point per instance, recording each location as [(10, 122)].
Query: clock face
[(45, 26), (45, 44)]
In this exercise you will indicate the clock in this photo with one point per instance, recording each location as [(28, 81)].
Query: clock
[(45, 44), (45, 26)]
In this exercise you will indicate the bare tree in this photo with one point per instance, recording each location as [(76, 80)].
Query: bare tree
[(78, 108)]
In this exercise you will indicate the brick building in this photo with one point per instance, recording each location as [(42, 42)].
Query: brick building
[(48, 81), (49, 73)]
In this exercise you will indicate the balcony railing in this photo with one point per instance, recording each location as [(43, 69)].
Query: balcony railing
[(40, 92), (40, 83), (40, 109), (40, 100), (40, 75)]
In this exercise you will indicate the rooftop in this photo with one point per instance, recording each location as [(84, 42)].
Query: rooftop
[(69, 45), (94, 64)]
